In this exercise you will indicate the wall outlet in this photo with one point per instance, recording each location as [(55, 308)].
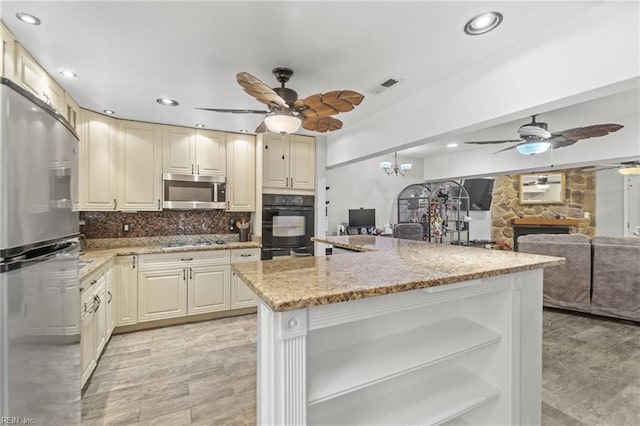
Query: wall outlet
[(125, 227), (587, 215)]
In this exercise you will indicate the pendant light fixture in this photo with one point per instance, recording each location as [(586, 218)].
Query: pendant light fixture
[(390, 169)]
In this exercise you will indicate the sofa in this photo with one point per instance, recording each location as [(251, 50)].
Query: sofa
[(601, 275)]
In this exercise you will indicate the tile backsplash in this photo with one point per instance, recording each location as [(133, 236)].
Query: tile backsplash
[(162, 223)]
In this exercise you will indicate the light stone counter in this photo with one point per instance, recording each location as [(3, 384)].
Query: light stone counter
[(386, 265), (100, 256)]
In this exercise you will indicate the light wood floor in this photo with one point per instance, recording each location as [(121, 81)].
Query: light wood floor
[(205, 373)]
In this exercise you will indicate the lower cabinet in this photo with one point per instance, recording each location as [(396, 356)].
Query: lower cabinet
[(125, 290), (96, 312), (172, 285), (241, 295), (208, 289), (162, 293)]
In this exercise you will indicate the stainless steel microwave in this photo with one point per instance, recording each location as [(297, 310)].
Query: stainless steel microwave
[(194, 192)]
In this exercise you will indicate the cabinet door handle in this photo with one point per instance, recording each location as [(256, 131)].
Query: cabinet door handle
[(93, 282), (134, 262), (110, 296), (115, 204), (186, 259), (245, 255), (192, 169), (96, 299), (184, 274), (190, 273), (198, 169), (287, 184), (291, 182)]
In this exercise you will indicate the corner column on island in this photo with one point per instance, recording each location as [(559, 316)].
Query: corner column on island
[(404, 333)]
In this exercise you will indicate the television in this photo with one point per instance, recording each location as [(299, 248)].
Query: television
[(480, 191), (362, 218)]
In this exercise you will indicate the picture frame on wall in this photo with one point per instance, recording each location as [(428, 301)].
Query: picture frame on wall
[(542, 188)]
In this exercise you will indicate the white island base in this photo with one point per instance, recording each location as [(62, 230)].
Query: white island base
[(463, 353)]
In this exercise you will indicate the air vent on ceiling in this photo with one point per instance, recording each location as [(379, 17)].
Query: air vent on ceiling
[(385, 85)]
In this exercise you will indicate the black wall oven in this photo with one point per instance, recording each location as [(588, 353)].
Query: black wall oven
[(287, 225)]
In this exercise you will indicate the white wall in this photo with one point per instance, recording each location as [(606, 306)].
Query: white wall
[(609, 203), (590, 56), (365, 184)]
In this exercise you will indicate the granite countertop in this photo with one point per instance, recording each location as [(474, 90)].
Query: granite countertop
[(385, 265), (101, 256)]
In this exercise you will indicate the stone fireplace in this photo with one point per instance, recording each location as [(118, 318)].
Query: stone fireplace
[(580, 198)]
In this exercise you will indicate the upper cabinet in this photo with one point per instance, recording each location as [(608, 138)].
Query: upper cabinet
[(139, 166), (288, 162), (33, 78), (71, 111), (193, 152), (8, 53), (241, 176), (97, 160)]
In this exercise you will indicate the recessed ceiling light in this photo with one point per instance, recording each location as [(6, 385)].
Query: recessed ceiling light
[(244, 131), (28, 19), (108, 111), (452, 145), (68, 73), (483, 23), (167, 102), (200, 125)]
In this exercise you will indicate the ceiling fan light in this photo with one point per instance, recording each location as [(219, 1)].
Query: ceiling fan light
[(282, 123), (533, 148), (629, 171)]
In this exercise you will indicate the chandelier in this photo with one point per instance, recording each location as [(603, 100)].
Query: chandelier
[(390, 169)]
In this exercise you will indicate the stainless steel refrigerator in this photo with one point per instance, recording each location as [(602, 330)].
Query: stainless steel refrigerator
[(39, 288)]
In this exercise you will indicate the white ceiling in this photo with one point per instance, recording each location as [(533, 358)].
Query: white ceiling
[(127, 54)]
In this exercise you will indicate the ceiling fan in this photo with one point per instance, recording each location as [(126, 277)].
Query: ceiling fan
[(541, 180), (287, 112), (624, 167), (536, 139)]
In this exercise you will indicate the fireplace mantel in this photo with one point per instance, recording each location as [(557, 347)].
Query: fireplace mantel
[(540, 221), (540, 225)]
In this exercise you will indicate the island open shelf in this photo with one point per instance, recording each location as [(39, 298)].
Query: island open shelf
[(437, 346)]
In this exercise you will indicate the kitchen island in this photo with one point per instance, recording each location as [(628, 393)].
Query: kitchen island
[(403, 332)]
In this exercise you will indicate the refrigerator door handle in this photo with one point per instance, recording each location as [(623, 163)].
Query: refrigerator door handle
[(23, 261)]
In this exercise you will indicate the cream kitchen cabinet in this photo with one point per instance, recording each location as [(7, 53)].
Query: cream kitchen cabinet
[(193, 152), (288, 162), (241, 295), (241, 172), (162, 293), (71, 111), (94, 312), (33, 78), (125, 291), (8, 53), (97, 160), (139, 166), (177, 284), (208, 289)]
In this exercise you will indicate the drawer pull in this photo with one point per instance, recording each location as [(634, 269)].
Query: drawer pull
[(186, 259), (93, 282), (245, 255)]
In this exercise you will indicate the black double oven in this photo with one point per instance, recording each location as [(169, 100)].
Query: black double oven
[(287, 225)]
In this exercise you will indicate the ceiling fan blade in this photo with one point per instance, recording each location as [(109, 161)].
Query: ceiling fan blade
[(322, 124), (235, 111), (493, 142), (256, 88), (262, 128), (511, 147), (587, 132), (330, 103)]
